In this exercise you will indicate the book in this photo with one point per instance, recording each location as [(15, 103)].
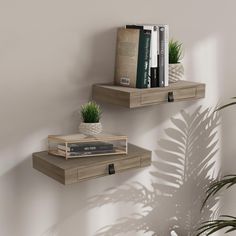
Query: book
[(154, 76), (82, 147), (154, 57), (166, 55), (132, 57), (152, 70), (84, 153), (127, 48), (163, 63), (143, 59)]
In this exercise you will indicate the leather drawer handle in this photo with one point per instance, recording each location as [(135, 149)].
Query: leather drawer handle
[(111, 169), (171, 97)]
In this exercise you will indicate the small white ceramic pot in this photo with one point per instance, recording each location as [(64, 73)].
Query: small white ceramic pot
[(176, 72), (90, 128)]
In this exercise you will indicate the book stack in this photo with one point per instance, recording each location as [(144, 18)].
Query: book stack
[(85, 149), (142, 56), (80, 145)]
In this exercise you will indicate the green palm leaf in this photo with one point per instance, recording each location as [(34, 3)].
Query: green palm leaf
[(210, 227), (227, 181), (227, 105)]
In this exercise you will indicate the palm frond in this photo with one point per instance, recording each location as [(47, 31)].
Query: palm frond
[(226, 105), (227, 181), (210, 227), (190, 147), (185, 158)]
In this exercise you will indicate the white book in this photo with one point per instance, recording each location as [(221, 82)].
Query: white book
[(166, 53)]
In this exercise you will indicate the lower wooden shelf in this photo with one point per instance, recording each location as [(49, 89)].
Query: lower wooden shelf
[(133, 97), (84, 168)]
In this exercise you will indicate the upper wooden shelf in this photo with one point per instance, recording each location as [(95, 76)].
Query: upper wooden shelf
[(84, 168), (133, 97)]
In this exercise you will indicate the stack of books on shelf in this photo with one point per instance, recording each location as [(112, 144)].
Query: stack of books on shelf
[(80, 145), (82, 149), (142, 56)]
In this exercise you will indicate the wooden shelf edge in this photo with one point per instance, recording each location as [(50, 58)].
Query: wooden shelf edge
[(81, 169), (134, 97)]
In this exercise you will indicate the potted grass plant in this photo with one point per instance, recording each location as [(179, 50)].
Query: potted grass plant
[(176, 69), (226, 222), (90, 115)]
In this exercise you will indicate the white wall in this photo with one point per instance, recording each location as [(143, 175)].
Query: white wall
[(51, 52)]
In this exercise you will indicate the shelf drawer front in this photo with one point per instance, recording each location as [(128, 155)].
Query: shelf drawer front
[(102, 170), (158, 97)]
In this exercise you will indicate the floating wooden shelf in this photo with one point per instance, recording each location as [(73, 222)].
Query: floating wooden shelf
[(132, 97), (84, 168)]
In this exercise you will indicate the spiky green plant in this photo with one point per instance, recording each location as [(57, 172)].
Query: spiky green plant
[(225, 221), (91, 112), (212, 226), (175, 51)]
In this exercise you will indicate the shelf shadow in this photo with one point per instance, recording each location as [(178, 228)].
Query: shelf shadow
[(184, 167)]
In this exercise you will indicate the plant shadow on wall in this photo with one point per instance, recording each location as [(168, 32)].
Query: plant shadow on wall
[(183, 170)]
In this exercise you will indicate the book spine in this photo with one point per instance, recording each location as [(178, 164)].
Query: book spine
[(152, 70), (161, 64), (154, 57), (154, 77), (147, 34), (104, 147), (92, 148), (143, 59), (85, 153), (166, 55)]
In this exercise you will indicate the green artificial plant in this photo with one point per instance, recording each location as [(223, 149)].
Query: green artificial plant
[(175, 51), (91, 112)]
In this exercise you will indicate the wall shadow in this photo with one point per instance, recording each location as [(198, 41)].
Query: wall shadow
[(183, 168)]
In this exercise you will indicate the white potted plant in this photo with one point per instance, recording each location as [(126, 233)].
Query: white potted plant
[(90, 115), (176, 69)]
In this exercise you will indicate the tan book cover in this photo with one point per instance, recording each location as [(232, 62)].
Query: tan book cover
[(126, 64)]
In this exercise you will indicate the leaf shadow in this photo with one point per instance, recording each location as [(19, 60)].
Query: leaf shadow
[(183, 169)]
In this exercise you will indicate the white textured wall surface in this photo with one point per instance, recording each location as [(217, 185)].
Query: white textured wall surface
[(51, 52)]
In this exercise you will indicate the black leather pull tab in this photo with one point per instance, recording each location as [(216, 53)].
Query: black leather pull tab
[(111, 169), (170, 97)]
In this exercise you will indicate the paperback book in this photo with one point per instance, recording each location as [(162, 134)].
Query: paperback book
[(163, 65), (81, 147), (132, 57), (84, 153)]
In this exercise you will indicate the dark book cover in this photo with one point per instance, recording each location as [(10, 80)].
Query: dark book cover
[(99, 146), (143, 59), (143, 56), (154, 77), (85, 153)]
